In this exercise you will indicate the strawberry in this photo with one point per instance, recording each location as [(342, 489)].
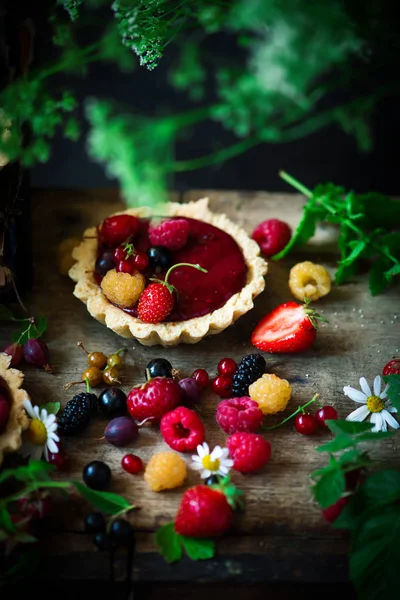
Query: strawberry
[(290, 327), (154, 399), (206, 511), (158, 298)]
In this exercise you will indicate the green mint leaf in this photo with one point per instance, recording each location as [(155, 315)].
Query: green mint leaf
[(379, 210), (51, 407), (198, 549), (38, 327), (393, 390), (344, 273), (382, 487), (169, 543), (375, 554), (377, 280), (373, 436), (391, 241), (329, 488), (5, 520), (357, 249), (340, 442), (390, 273), (337, 426), (24, 537), (351, 456), (6, 314), (35, 469), (105, 501), (305, 230)]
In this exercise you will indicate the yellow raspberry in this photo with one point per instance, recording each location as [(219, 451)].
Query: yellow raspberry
[(164, 471), (308, 280), (122, 288), (271, 393)]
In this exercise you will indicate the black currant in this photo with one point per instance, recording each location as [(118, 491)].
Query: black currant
[(212, 480), (159, 367), (97, 475), (159, 257), (103, 541), (95, 523), (104, 263), (112, 403), (121, 532)]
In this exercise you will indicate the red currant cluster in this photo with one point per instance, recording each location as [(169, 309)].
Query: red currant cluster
[(222, 384), (306, 423)]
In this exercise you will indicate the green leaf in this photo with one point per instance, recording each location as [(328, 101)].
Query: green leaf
[(393, 390), (344, 273), (374, 436), (38, 327), (351, 456), (337, 426), (5, 520), (357, 250), (305, 230), (105, 501), (198, 549), (36, 469), (379, 210), (375, 554), (390, 273), (24, 537), (340, 442), (329, 488), (6, 314), (169, 543), (392, 242), (51, 407), (377, 280), (382, 487)]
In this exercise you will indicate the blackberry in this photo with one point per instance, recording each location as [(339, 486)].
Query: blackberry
[(76, 415), (250, 368)]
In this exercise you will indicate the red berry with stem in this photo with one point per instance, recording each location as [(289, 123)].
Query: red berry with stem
[(326, 413), (201, 378), (158, 298), (119, 254), (227, 366), (392, 367), (16, 352), (306, 423), (222, 386), (125, 266), (141, 261), (36, 353), (132, 464), (117, 229)]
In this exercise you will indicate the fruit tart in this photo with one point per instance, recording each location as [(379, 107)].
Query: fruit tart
[(13, 418), (173, 276)]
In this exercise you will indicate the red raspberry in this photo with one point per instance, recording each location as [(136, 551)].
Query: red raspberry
[(117, 229), (249, 451), (182, 429), (154, 399), (239, 414), (172, 234), (272, 236)]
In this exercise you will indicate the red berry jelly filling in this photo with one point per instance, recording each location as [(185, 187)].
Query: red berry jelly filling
[(198, 293)]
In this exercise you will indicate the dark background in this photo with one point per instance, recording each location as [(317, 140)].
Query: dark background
[(328, 155)]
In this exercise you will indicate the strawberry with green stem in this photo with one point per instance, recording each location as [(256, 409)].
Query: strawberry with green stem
[(158, 298), (204, 512)]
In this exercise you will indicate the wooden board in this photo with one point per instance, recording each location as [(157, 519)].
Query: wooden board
[(281, 535)]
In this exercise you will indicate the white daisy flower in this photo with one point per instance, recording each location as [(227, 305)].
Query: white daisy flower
[(41, 436), (214, 463), (374, 404)]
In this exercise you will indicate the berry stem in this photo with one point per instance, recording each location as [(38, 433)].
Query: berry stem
[(198, 267), (296, 184), (87, 385), (82, 347), (300, 409)]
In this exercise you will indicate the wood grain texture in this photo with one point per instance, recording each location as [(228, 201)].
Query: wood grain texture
[(281, 535)]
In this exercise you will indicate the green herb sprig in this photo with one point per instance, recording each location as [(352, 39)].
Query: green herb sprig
[(30, 328), (370, 493), (365, 222)]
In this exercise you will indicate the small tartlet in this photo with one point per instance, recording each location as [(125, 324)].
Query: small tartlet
[(171, 333), (11, 438)]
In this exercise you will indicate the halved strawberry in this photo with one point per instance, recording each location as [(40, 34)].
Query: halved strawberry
[(291, 327)]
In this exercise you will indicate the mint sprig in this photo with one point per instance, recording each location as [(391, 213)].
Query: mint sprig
[(364, 221), (172, 545)]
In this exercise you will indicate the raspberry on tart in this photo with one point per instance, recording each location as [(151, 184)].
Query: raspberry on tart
[(205, 303)]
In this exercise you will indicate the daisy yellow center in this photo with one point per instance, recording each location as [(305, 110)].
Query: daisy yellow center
[(211, 465), (375, 404), (37, 432)]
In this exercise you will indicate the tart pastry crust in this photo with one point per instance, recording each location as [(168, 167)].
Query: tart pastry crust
[(171, 333), (10, 439)]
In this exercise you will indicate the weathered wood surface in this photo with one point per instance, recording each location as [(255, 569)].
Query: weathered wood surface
[(281, 535)]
